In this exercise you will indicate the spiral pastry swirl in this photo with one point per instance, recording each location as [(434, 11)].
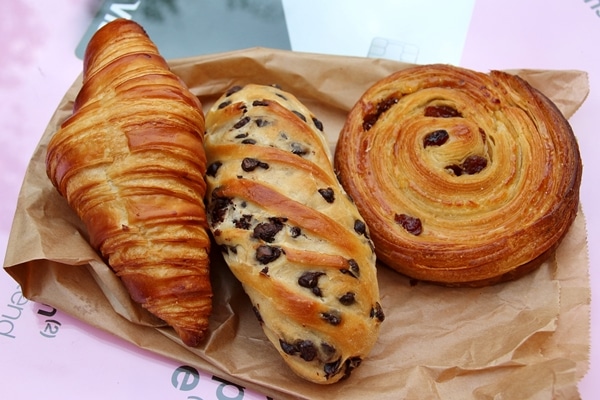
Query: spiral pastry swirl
[(464, 178)]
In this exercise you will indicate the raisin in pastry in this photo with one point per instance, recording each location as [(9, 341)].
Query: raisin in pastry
[(463, 178), (290, 233), (130, 162)]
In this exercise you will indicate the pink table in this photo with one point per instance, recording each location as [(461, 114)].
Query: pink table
[(49, 354)]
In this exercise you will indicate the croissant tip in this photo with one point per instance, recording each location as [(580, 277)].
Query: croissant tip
[(191, 338)]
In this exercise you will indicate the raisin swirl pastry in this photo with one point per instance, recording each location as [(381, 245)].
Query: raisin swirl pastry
[(289, 233), (130, 162), (463, 178)]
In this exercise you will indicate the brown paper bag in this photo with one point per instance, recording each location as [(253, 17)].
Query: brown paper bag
[(523, 339)]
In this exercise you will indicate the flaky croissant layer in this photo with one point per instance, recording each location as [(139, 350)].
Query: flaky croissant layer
[(130, 162)]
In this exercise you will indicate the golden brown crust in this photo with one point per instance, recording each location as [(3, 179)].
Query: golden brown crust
[(464, 178), (290, 233), (130, 162)]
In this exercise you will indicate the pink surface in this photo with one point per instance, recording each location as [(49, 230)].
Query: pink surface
[(51, 355), (553, 35)]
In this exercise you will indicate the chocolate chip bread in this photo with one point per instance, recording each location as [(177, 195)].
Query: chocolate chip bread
[(289, 232)]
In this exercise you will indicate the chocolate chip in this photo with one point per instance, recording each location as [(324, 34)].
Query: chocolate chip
[(350, 364), (332, 317), (244, 222), (360, 227), (300, 115), (287, 348), (307, 350), (248, 141), (282, 96), (310, 280), (242, 135), (267, 230), (384, 105), (377, 312), (241, 122), (257, 314), (332, 368), (213, 168), (219, 208), (354, 267), (348, 298), (233, 90), (298, 149), (295, 231), (442, 112), (318, 124), (250, 164), (266, 254), (261, 122), (224, 104), (436, 138), (411, 224), (260, 103), (327, 194), (265, 271)]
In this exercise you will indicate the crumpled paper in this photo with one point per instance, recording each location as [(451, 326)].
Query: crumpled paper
[(523, 339)]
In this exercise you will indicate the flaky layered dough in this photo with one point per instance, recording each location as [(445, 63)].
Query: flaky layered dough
[(289, 232), (464, 178), (130, 162)]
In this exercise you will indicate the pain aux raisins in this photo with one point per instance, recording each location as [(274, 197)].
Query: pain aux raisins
[(250, 164), (411, 224), (328, 194), (267, 254), (442, 111), (384, 105)]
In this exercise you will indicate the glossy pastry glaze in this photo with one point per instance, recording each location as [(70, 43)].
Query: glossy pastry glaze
[(464, 178), (130, 162)]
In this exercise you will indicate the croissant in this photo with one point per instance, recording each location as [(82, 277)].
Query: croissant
[(130, 162), (289, 232), (464, 178)]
